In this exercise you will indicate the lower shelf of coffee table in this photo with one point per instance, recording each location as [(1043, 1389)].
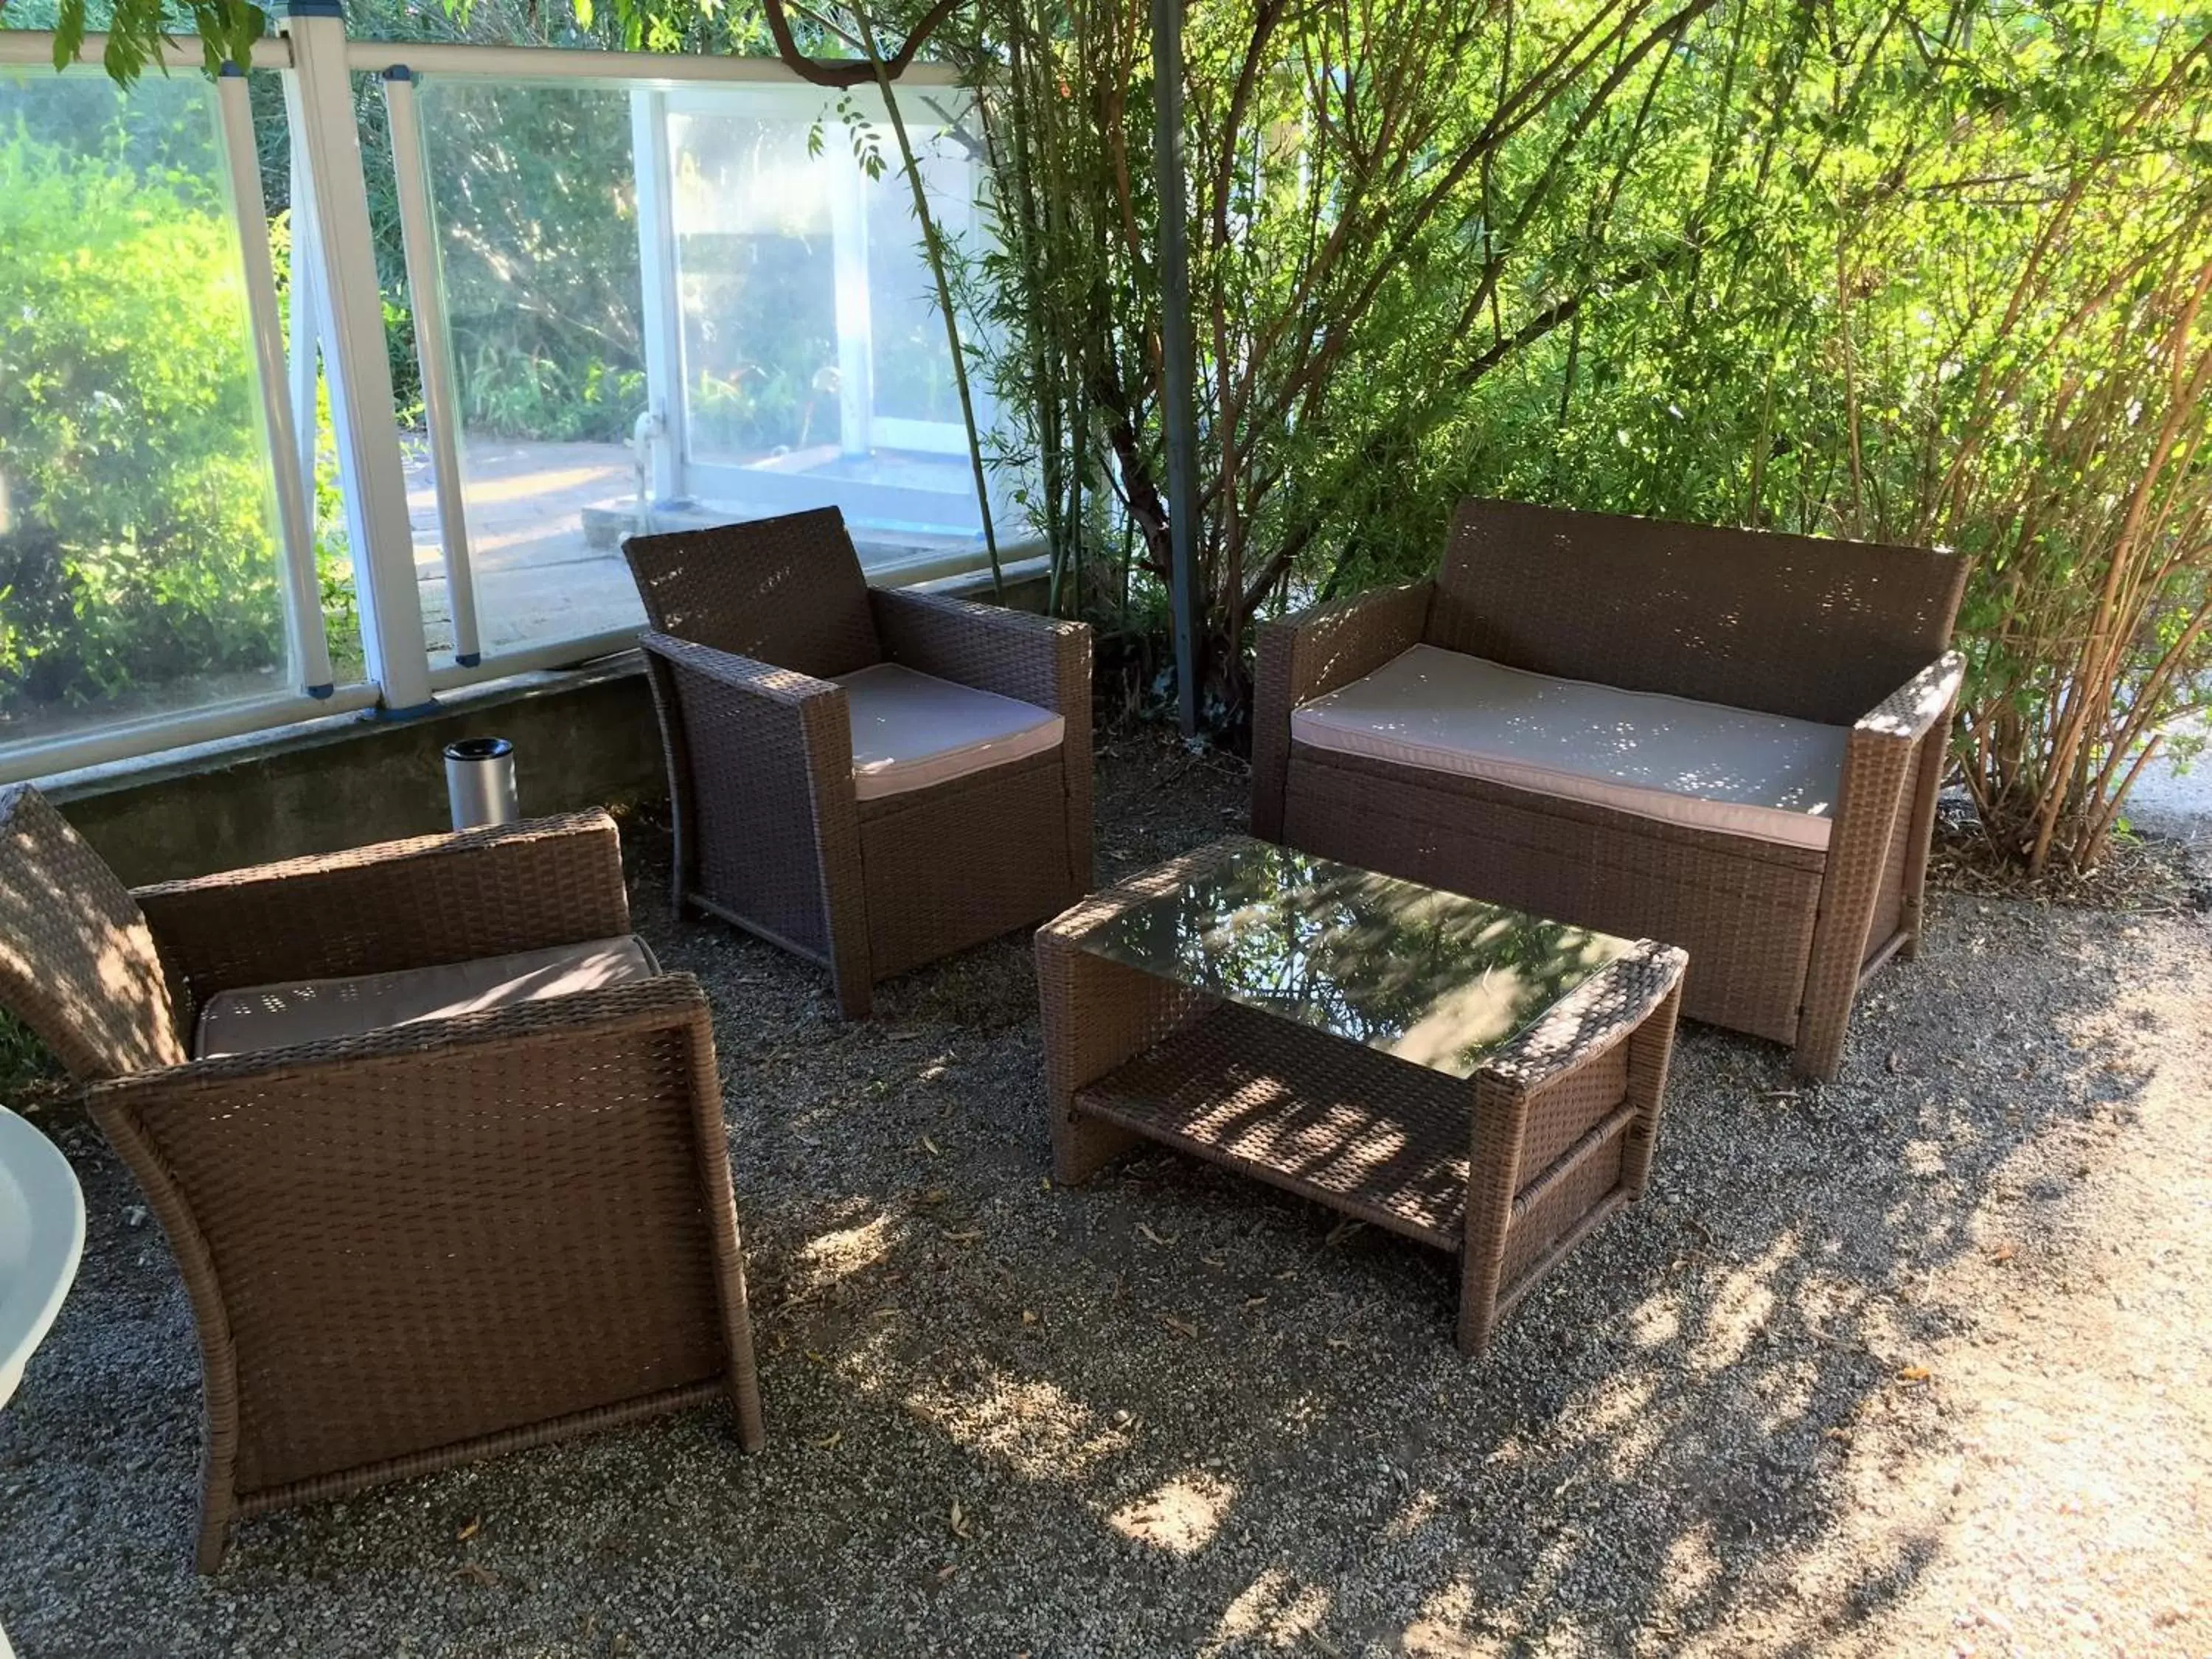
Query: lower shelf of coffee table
[(1343, 1124)]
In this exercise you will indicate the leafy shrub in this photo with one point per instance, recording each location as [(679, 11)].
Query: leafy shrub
[(137, 547)]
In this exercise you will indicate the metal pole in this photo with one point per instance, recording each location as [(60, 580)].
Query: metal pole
[(1178, 414), (319, 99), (661, 299), (426, 286), (307, 647)]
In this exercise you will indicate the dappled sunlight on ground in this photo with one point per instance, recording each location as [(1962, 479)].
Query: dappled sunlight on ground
[(1913, 1362)]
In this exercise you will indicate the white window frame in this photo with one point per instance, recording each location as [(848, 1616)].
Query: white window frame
[(336, 322)]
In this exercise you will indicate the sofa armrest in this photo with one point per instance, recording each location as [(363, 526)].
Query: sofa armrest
[(1909, 713), (1302, 657), (411, 903), (1883, 761)]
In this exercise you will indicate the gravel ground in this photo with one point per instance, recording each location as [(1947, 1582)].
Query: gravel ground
[(1912, 1363)]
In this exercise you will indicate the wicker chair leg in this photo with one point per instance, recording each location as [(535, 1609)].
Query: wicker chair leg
[(214, 1535), (744, 1392), (1928, 784)]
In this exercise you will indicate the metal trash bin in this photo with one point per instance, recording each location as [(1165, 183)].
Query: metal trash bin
[(480, 782)]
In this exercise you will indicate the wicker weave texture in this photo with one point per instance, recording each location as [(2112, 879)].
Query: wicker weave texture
[(1842, 633), (1814, 628), (415, 1246), (77, 959), (768, 833), (1743, 909), (786, 590), (1554, 1129), (411, 903)]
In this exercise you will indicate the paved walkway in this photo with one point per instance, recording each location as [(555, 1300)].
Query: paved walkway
[(537, 578)]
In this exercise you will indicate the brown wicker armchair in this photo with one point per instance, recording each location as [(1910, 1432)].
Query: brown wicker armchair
[(869, 778), (1789, 860), (440, 1149)]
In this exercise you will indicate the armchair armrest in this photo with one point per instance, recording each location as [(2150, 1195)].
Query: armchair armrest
[(427, 1200), (1039, 660), (411, 903), (765, 682), (1911, 712), (1032, 658), (308, 1071), (1302, 657), (768, 834)]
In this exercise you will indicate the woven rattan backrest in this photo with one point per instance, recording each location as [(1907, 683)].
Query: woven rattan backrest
[(1795, 625), (77, 963), (786, 591)]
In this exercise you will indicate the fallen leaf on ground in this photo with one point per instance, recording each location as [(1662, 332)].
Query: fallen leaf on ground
[(1164, 1243), (2002, 1253), (476, 1573), (1180, 1326), (959, 1521), (829, 1442), (1029, 1316), (967, 1237), (932, 1147), (1913, 1373), (470, 1528)]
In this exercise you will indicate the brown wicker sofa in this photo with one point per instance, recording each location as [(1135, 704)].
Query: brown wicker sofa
[(440, 1149), (1729, 740), (869, 777)]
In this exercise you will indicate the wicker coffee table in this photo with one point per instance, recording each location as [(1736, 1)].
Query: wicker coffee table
[(1470, 1077)]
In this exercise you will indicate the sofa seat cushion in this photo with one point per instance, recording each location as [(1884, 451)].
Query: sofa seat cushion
[(911, 730), (1696, 764), (316, 1010)]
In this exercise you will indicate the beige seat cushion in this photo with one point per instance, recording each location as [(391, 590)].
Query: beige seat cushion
[(912, 730), (1698, 764), (313, 1010)]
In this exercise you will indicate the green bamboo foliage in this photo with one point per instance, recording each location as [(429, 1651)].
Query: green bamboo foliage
[(1923, 271)]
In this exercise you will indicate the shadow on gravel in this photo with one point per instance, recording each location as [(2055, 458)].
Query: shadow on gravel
[(1170, 1411)]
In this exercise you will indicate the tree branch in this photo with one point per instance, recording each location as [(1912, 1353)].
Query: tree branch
[(861, 73)]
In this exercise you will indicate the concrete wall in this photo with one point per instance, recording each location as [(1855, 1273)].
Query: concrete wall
[(582, 737)]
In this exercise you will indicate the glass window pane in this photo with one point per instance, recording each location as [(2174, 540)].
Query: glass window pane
[(138, 568), (535, 201), (815, 369), (748, 259)]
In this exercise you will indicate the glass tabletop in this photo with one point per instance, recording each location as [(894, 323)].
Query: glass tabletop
[(1430, 977)]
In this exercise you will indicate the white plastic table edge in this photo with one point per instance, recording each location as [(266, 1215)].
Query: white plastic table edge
[(33, 1166)]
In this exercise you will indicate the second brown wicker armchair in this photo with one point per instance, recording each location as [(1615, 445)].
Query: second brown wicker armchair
[(868, 777)]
